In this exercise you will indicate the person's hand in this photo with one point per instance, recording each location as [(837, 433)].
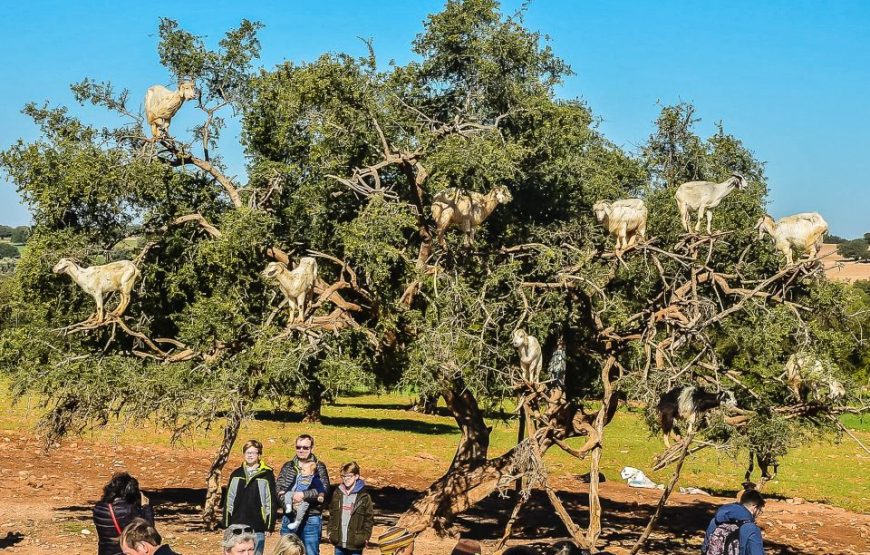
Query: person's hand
[(298, 497), (143, 498)]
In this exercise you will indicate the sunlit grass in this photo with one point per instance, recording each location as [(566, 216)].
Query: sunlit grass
[(378, 432)]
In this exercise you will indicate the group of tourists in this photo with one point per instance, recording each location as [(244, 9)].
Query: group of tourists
[(124, 518)]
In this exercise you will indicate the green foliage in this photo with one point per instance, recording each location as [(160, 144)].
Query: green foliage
[(856, 249), (8, 251), (833, 239), (20, 234)]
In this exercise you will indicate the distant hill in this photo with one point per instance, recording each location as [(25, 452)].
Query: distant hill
[(838, 268)]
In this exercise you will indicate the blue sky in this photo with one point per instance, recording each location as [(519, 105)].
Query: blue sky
[(790, 78)]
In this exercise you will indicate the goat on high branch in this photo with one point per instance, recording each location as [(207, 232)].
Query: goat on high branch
[(804, 232), (701, 196), (689, 404), (296, 284), (98, 281), (624, 219), (466, 210), (529, 349), (161, 104)]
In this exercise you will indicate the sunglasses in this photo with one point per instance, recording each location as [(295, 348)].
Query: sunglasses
[(303, 448), (243, 530)]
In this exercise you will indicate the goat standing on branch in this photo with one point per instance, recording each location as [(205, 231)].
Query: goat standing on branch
[(804, 232), (97, 281), (701, 196), (529, 349), (624, 219), (687, 404), (466, 210), (161, 104), (296, 284)]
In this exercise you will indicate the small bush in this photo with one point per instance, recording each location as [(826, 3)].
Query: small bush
[(8, 251)]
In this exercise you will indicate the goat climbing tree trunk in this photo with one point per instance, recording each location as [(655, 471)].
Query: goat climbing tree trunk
[(211, 508)]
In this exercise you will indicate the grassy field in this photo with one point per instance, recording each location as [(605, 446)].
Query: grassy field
[(378, 430)]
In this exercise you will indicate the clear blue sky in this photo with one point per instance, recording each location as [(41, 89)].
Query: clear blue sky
[(789, 77)]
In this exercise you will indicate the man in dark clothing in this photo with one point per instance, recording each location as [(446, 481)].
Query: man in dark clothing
[(310, 530), (251, 495), (140, 538), (742, 515)]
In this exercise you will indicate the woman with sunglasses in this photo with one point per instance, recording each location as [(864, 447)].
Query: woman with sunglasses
[(251, 497), (310, 529)]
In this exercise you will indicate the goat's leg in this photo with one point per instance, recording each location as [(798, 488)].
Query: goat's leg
[(300, 302), (684, 216), (100, 316), (700, 218), (122, 304), (709, 222), (667, 440), (621, 242)]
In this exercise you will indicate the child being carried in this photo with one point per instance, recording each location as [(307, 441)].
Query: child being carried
[(306, 479)]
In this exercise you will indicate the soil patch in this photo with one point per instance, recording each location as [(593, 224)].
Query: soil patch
[(46, 503)]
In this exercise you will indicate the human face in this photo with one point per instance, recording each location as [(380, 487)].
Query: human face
[(303, 448), (242, 548), (349, 480), (252, 456)]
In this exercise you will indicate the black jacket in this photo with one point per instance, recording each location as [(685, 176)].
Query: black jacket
[(287, 477), (165, 550), (251, 501), (107, 534)]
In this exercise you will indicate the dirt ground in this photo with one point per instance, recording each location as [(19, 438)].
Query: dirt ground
[(46, 503), (838, 268)]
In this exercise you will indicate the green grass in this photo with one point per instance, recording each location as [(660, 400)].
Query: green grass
[(375, 431)]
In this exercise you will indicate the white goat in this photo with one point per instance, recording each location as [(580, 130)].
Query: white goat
[(465, 210), (296, 284), (531, 359), (702, 196), (97, 281), (804, 231), (624, 219), (161, 104)]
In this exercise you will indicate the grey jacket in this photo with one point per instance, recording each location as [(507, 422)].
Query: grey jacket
[(287, 477)]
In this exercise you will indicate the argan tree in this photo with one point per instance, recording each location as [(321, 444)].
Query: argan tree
[(346, 156)]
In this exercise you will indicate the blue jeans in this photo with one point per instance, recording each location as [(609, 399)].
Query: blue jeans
[(308, 532), (345, 551), (260, 544)]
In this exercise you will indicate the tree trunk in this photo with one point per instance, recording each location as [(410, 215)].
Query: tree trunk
[(455, 492), (474, 443), (313, 401), (211, 508)]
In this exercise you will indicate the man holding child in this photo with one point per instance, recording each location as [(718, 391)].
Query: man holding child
[(293, 492)]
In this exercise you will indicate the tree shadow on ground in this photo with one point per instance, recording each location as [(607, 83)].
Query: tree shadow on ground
[(11, 539), (389, 424)]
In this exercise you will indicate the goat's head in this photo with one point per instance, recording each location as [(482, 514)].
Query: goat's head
[(273, 269), (739, 180), (765, 224), (63, 265), (519, 338), (726, 399), (187, 89), (601, 209), (503, 195), (309, 263)]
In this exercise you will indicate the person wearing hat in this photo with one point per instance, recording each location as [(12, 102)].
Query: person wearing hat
[(239, 539), (396, 541)]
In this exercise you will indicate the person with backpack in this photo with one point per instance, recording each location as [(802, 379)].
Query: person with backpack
[(733, 530)]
